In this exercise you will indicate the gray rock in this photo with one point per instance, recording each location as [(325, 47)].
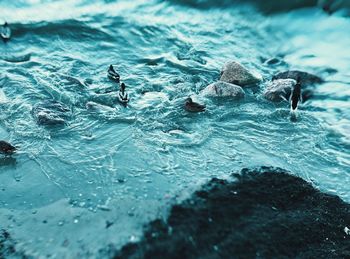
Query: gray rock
[(235, 73), (222, 89), (305, 78), (51, 113), (279, 90)]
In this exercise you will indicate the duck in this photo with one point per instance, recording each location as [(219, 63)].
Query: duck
[(6, 148), (295, 97), (122, 94), (191, 106), (5, 32), (112, 74)]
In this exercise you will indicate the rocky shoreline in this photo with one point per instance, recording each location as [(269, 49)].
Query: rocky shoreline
[(260, 213), (264, 213)]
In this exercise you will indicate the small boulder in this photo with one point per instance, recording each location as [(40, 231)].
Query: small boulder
[(6, 148), (222, 89), (272, 61), (279, 90), (51, 113), (305, 78), (235, 73)]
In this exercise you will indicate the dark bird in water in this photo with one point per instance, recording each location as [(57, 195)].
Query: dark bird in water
[(193, 107), (122, 94), (6, 148), (295, 97), (113, 75), (5, 32)]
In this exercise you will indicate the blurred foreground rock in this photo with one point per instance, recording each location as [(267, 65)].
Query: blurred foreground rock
[(265, 213)]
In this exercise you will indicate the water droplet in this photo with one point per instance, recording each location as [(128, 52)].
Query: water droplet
[(60, 223), (133, 238)]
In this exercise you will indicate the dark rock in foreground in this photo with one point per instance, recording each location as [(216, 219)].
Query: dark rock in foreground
[(264, 214), (50, 113)]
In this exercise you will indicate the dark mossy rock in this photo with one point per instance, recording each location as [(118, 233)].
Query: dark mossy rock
[(305, 78), (265, 213), (6, 148), (51, 113)]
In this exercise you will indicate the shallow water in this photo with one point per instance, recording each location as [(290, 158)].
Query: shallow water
[(126, 165)]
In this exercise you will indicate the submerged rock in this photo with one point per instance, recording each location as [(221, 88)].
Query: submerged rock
[(7, 161), (265, 213), (51, 113), (279, 90), (107, 99), (235, 73), (305, 78), (100, 108), (273, 61), (222, 89), (6, 148), (17, 58)]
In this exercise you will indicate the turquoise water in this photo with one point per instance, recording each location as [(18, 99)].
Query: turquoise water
[(128, 165)]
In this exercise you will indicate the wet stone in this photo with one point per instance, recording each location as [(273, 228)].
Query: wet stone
[(305, 77), (235, 73), (222, 89), (51, 113), (279, 90)]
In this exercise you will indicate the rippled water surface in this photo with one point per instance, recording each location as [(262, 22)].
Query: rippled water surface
[(65, 186)]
